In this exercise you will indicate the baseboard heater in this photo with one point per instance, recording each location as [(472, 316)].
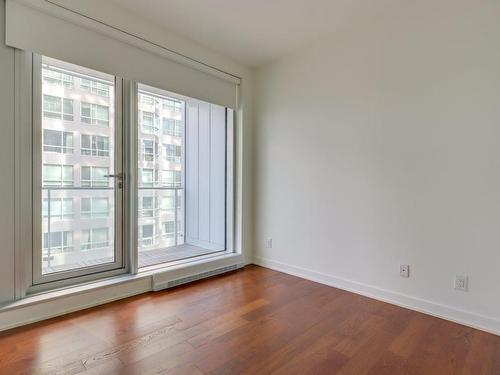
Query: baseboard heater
[(159, 282)]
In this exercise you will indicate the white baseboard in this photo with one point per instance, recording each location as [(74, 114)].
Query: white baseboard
[(450, 313)]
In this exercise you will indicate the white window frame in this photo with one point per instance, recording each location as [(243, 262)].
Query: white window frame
[(38, 281), (25, 86)]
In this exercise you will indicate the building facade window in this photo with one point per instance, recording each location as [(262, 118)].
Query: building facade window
[(94, 114), (168, 229), (149, 177), (149, 123), (94, 207), (95, 238), (57, 141), (94, 145), (60, 208), (58, 78), (172, 105), (148, 206), (149, 149), (94, 177), (171, 179), (58, 108), (168, 201), (146, 100), (57, 175), (95, 87), (172, 127), (147, 235), (57, 242), (172, 153)]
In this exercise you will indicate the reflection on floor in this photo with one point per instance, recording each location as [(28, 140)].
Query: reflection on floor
[(170, 254)]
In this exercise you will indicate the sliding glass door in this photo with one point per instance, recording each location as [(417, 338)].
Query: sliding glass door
[(77, 171)]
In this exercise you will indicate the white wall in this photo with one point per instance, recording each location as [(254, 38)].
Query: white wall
[(6, 165), (381, 146)]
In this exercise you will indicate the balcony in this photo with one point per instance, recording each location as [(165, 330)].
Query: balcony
[(78, 226)]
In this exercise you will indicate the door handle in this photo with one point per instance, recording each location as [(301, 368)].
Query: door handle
[(118, 176)]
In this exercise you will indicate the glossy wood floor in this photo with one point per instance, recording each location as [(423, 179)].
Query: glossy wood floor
[(253, 321)]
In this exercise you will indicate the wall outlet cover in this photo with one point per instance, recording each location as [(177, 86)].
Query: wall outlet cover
[(404, 270), (461, 283), (269, 243)]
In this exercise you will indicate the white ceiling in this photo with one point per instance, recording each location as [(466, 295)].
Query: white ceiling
[(253, 32)]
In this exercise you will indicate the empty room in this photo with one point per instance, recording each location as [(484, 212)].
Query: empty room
[(250, 187)]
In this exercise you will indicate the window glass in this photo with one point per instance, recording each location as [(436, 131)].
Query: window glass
[(75, 196)]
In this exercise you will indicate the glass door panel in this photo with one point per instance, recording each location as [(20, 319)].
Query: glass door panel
[(161, 119), (78, 190)]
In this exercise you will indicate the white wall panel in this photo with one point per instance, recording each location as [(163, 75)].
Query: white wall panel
[(192, 171), (218, 171), (206, 175)]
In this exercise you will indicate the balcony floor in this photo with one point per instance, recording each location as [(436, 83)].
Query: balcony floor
[(146, 257), (171, 254)]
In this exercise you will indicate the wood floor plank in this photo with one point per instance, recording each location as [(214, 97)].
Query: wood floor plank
[(251, 321)]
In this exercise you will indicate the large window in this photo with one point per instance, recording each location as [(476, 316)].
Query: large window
[(82, 198)]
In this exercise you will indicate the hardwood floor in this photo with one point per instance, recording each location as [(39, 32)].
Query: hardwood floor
[(252, 321)]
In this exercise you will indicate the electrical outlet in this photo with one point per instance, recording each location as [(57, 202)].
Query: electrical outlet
[(269, 243), (404, 270), (461, 283)]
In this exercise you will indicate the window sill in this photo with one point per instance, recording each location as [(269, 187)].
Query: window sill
[(58, 302)]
